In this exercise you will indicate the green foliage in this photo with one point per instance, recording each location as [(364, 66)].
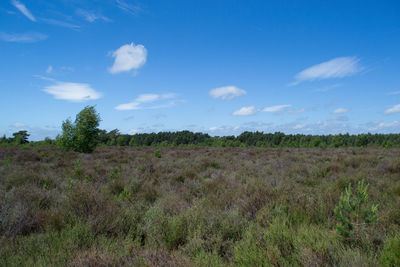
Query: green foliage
[(21, 137), (82, 135), (7, 161), (78, 172), (177, 231), (115, 173), (258, 139), (125, 194), (157, 153), (391, 252), (353, 212)]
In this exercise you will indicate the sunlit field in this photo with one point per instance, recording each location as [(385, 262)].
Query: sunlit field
[(202, 206)]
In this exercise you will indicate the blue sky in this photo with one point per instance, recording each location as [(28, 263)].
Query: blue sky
[(221, 67)]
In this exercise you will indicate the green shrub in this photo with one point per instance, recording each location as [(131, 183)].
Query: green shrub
[(7, 161), (177, 232), (157, 153), (391, 252), (204, 259), (115, 173)]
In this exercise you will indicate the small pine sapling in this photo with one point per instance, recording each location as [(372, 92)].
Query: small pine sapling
[(353, 212)]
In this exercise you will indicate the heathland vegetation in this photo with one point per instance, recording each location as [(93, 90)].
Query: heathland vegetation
[(196, 206)]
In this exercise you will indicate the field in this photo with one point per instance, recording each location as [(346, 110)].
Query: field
[(199, 206)]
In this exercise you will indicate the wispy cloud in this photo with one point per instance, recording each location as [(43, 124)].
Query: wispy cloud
[(60, 23), (226, 92), (150, 101), (338, 118), (21, 7), (128, 57), (327, 88), (128, 8), (394, 93), (335, 68), (394, 109), (296, 111), (340, 110), (388, 124), (49, 69), (18, 125), (29, 37), (91, 16), (245, 111), (74, 92), (277, 108), (381, 126)]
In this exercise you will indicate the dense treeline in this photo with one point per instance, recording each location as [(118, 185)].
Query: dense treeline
[(259, 139)]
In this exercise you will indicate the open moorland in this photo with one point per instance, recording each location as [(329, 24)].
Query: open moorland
[(202, 206)]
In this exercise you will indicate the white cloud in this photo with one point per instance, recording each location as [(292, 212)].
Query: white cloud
[(49, 69), (296, 111), (276, 109), (75, 92), (128, 57), (394, 109), (298, 126), (142, 101), (338, 118), (29, 37), (18, 125), (340, 111), (325, 89), (226, 92), (128, 8), (90, 16), (335, 68), (395, 93), (388, 124), (245, 111), (60, 23), (21, 7)]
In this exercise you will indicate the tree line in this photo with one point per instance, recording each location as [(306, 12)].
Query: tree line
[(83, 135), (249, 139)]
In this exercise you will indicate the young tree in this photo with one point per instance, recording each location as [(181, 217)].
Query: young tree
[(21, 137), (82, 135)]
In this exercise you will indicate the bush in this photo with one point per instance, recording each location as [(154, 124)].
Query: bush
[(391, 252)]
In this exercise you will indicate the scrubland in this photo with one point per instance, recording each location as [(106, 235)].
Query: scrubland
[(202, 206)]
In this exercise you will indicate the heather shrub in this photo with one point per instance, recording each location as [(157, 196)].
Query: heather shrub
[(176, 232), (210, 259), (154, 225), (255, 208)]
